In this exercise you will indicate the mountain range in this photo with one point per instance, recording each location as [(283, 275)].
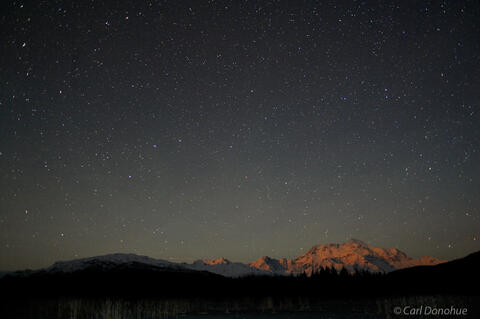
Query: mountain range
[(121, 283), (353, 255)]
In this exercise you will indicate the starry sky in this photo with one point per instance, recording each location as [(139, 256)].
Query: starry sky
[(198, 129)]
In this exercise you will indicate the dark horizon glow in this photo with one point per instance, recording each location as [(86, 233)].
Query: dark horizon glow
[(183, 130)]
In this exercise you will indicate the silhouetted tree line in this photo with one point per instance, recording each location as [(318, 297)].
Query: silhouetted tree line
[(142, 281)]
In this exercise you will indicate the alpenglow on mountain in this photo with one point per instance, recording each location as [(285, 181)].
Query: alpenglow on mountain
[(353, 255)]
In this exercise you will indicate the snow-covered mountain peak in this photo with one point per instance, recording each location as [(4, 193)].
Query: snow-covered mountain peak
[(270, 265), (218, 261), (355, 243), (106, 261), (225, 267), (352, 255), (356, 255)]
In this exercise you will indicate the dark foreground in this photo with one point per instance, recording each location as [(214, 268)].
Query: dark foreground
[(131, 291), (248, 308)]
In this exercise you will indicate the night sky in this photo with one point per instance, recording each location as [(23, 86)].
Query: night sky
[(198, 129)]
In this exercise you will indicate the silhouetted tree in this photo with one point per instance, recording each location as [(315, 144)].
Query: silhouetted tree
[(344, 273)]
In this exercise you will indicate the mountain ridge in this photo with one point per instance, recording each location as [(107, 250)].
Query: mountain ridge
[(356, 255), (353, 255)]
